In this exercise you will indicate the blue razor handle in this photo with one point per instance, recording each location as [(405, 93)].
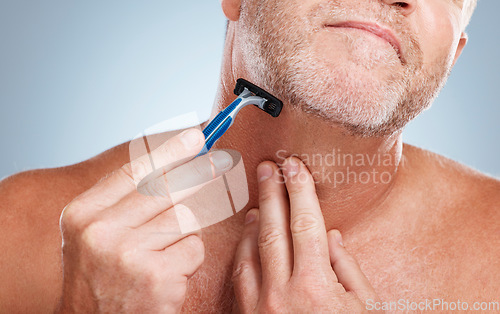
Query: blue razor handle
[(248, 94), (218, 126)]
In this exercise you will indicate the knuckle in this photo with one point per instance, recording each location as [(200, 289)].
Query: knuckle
[(94, 234), (160, 201), (171, 149), (156, 187), (242, 268), (272, 304), (196, 248), (168, 224), (304, 222), (200, 168), (126, 170), (174, 150), (266, 196), (268, 236), (128, 259), (307, 276), (135, 170), (69, 219), (299, 190), (195, 242)]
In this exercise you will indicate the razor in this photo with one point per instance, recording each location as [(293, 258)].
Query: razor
[(248, 94)]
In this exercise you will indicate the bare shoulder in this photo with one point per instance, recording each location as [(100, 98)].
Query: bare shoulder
[(464, 205), (453, 180), (30, 207)]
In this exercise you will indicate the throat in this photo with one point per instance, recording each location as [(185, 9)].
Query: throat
[(354, 176)]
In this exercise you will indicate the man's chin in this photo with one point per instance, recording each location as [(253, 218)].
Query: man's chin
[(357, 117)]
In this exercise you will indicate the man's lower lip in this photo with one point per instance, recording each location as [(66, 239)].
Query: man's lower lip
[(368, 32)]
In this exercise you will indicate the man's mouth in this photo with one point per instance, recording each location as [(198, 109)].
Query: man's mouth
[(374, 29)]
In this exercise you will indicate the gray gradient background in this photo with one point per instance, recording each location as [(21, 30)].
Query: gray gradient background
[(77, 78)]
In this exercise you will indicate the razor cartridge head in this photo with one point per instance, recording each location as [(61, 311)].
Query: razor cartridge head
[(272, 105)]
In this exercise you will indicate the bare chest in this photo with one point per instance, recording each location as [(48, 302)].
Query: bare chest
[(402, 271)]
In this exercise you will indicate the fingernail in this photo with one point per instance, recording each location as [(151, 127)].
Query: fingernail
[(338, 237), (190, 138), (264, 172), (291, 167), (221, 160), (251, 216)]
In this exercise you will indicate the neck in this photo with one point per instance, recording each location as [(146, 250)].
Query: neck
[(353, 175)]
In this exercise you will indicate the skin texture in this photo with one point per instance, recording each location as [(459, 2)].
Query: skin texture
[(431, 231), (342, 74), (123, 248), (287, 260)]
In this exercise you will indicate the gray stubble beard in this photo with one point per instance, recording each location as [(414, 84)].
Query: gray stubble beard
[(284, 66)]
